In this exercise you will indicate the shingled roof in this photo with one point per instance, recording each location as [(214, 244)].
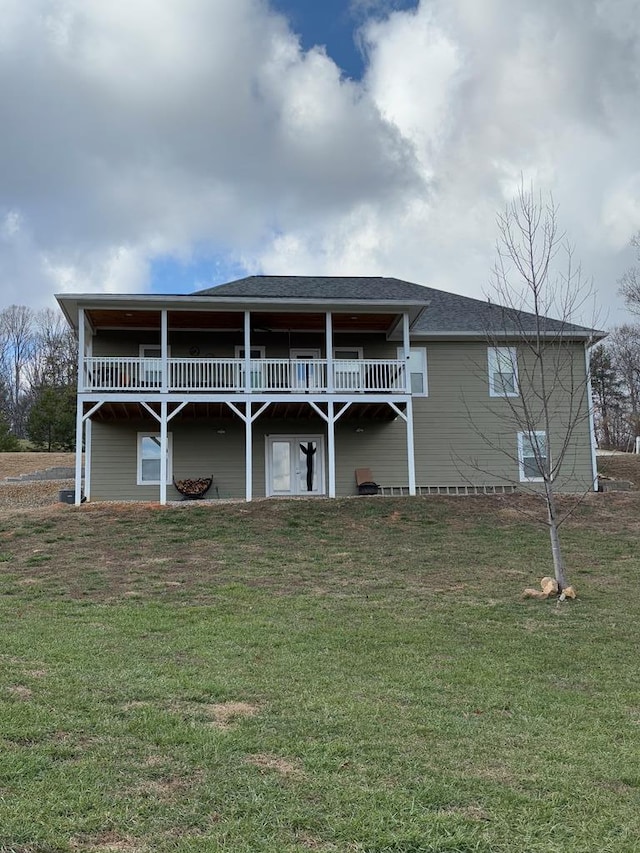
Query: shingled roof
[(444, 314)]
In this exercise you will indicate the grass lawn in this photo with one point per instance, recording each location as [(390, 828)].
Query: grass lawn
[(351, 675)]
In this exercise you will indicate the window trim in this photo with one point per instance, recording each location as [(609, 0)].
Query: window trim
[(494, 362), (422, 351), (521, 456), (150, 434)]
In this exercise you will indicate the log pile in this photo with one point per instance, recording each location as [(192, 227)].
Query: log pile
[(193, 488)]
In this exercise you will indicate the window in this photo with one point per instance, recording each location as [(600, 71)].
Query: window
[(149, 458), (257, 372), (503, 372), (417, 370), (152, 365), (347, 373), (533, 456)]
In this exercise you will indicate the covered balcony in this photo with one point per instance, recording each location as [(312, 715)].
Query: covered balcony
[(252, 376)]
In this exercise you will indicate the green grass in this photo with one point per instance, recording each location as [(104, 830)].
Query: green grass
[(357, 675)]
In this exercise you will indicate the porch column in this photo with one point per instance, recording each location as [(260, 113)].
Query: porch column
[(592, 430), (87, 459), (331, 448), (247, 352), (81, 348), (329, 349), (79, 424), (411, 457), (406, 348), (163, 452), (164, 349), (248, 450)]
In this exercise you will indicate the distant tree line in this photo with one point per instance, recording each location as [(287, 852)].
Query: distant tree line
[(38, 375), (615, 373)]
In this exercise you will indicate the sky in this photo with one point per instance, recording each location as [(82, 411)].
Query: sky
[(165, 147)]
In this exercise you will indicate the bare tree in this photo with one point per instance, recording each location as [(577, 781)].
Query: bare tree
[(539, 365), (53, 361), (630, 281), (16, 334)]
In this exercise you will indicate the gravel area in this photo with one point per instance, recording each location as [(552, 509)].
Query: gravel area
[(20, 496)]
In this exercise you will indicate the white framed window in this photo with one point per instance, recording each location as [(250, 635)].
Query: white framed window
[(503, 372), (533, 456), (417, 370), (347, 370), (257, 372), (348, 353), (152, 364), (149, 458)]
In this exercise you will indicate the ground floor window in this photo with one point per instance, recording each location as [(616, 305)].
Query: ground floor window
[(149, 458), (533, 457)]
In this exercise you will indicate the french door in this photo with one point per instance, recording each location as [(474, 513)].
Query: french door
[(295, 465)]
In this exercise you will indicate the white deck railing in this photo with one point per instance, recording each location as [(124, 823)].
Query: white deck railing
[(266, 375)]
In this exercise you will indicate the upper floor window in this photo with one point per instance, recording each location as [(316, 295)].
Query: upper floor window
[(152, 364), (503, 372), (417, 367), (533, 456)]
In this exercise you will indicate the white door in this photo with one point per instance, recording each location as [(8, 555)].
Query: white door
[(295, 465), (306, 373)]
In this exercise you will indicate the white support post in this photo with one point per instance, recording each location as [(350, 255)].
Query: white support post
[(163, 452), (248, 452), (87, 459), (81, 352), (592, 429), (411, 456), (164, 350), (329, 348), (79, 426), (331, 449), (406, 347), (247, 351)]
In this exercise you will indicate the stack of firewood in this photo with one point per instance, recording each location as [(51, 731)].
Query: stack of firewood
[(193, 487)]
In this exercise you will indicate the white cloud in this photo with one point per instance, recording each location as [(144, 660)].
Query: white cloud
[(134, 130)]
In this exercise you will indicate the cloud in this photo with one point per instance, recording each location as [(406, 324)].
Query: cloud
[(135, 130)]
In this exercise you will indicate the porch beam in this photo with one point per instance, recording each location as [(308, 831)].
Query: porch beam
[(398, 411), (236, 411), (259, 412), (178, 409), (92, 411), (316, 408), (342, 411), (150, 410)]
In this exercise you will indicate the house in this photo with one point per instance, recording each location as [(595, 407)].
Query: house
[(285, 385)]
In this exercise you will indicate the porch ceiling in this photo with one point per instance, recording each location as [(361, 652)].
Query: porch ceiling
[(107, 318), (220, 412)]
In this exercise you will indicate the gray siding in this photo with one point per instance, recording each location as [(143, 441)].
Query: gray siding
[(459, 434)]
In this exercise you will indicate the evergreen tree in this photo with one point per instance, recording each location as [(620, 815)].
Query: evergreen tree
[(8, 441), (51, 421)]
